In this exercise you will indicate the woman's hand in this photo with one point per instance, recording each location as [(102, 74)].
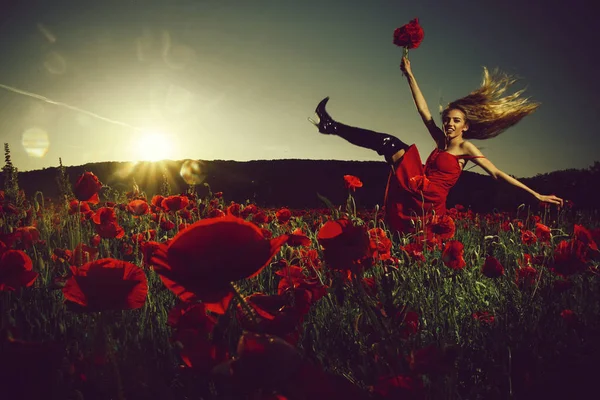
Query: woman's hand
[(552, 199), (405, 66)]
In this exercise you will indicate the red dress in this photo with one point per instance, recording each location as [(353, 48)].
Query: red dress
[(418, 189)]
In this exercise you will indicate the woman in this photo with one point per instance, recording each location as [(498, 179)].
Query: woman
[(419, 191)]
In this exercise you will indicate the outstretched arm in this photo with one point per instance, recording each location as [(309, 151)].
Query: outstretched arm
[(422, 108), (497, 174)]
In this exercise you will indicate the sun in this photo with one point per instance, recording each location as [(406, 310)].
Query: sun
[(152, 146)]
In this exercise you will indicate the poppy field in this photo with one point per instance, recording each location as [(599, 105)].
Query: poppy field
[(109, 295)]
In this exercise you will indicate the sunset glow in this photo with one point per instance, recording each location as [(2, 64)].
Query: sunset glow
[(152, 146)]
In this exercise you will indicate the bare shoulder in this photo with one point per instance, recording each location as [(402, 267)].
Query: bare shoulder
[(470, 149)]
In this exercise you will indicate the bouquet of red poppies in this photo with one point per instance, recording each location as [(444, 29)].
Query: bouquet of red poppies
[(409, 36)]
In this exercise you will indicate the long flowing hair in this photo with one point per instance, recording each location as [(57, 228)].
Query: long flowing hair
[(488, 110)]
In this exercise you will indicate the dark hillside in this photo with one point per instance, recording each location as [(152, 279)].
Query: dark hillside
[(295, 183)]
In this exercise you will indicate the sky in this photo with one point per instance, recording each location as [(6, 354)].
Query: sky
[(237, 80)]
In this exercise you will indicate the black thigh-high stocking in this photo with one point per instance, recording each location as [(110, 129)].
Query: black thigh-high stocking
[(384, 144)]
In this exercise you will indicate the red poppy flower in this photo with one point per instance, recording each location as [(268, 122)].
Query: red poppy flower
[(380, 244), (104, 215), (570, 257), (543, 232), (8, 208), (370, 285), (585, 236), (3, 247), (505, 226), (492, 268), (215, 213), (106, 284), (260, 218), (443, 226), (95, 240), (87, 187), (526, 276), (283, 215), (198, 352), (249, 209), (279, 315), (61, 255), (484, 317), (192, 328), (84, 207), (452, 256), (298, 238), (409, 35), (310, 259), (83, 254), (16, 271), (138, 238), (148, 248), (186, 213), (105, 222), (174, 203), (345, 245), (138, 207), (28, 235), (126, 250), (410, 323), (204, 258), (109, 231), (528, 237), (234, 209), (156, 202), (525, 261), (352, 182), (414, 251), (166, 225), (293, 277), (419, 183)]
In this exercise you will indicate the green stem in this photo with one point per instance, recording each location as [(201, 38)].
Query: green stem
[(248, 311)]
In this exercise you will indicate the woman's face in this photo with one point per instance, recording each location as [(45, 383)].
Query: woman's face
[(455, 124)]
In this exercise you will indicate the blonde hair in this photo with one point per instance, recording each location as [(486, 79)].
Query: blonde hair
[(487, 111)]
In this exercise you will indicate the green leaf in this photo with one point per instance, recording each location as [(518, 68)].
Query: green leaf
[(327, 202)]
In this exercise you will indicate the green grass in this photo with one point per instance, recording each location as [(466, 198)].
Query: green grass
[(129, 354)]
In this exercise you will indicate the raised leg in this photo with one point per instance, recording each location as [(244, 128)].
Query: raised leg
[(386, 145)]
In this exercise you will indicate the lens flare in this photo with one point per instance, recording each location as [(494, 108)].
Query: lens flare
[(35, 142), (193, 172), (55, 63), (143, 45), (47, 33)]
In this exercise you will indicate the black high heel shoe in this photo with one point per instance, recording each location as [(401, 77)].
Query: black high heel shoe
[(326, 124)]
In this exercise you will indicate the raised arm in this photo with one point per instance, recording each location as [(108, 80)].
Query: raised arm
[(495, 173), (435, 132)]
